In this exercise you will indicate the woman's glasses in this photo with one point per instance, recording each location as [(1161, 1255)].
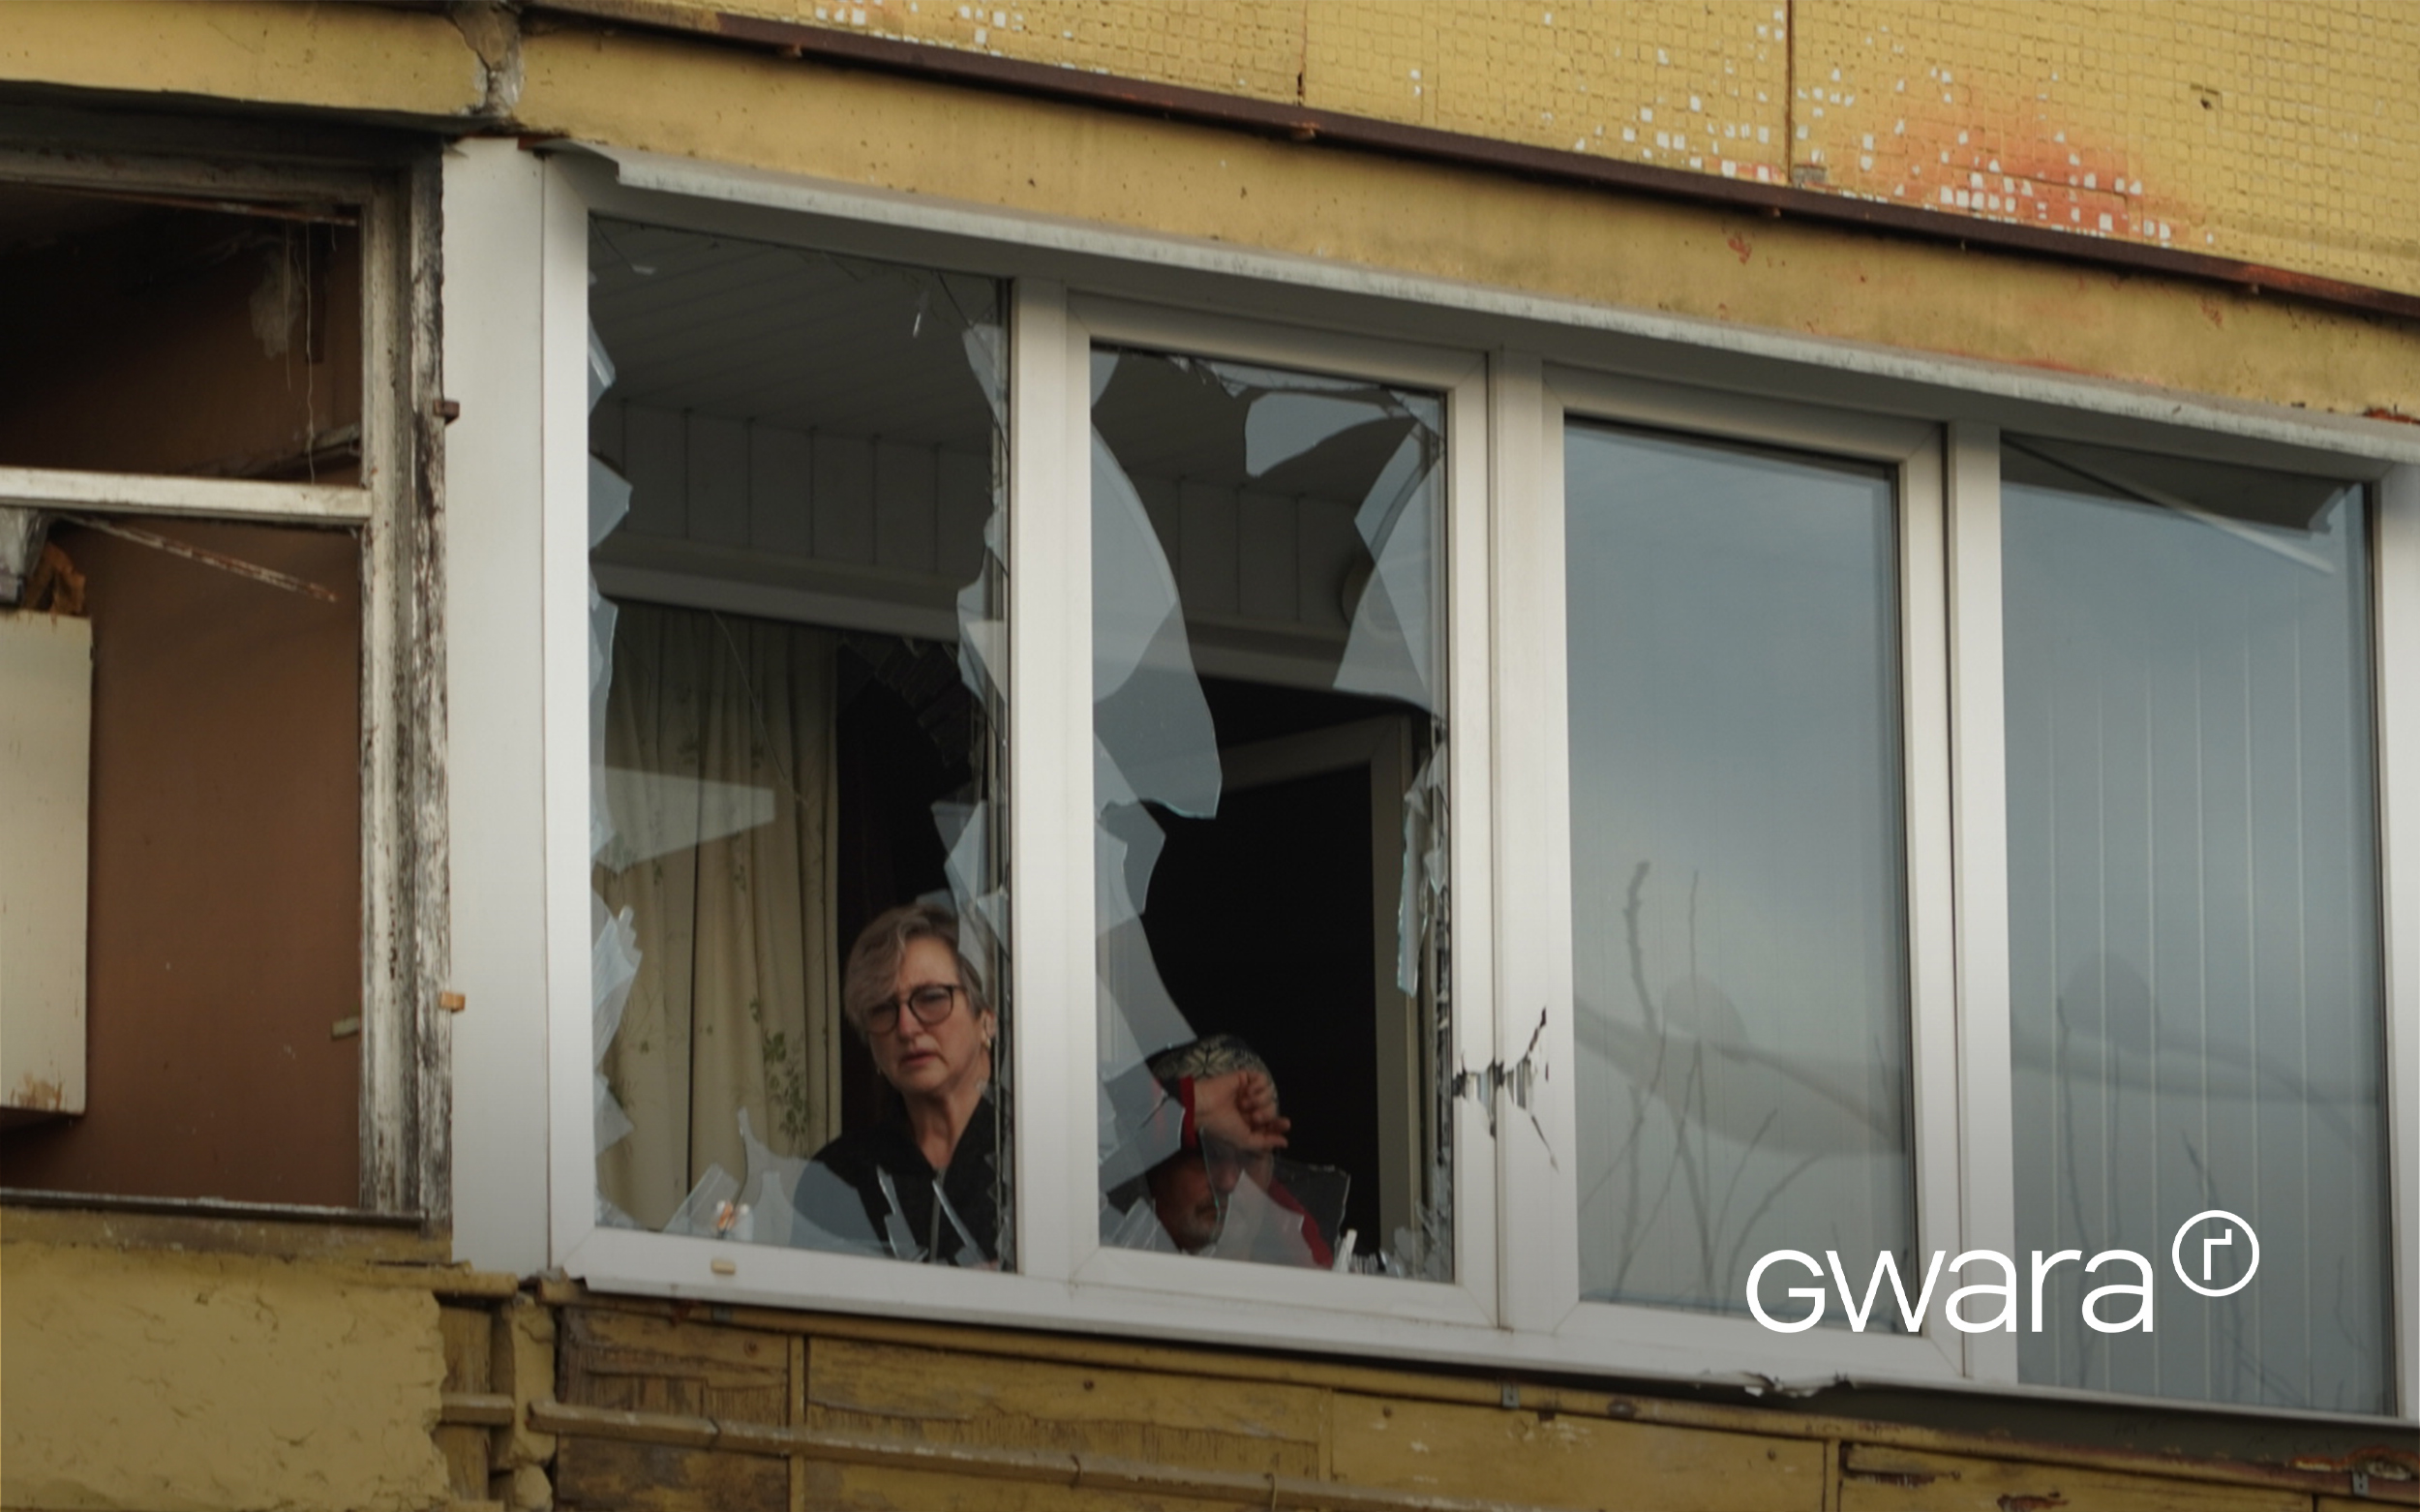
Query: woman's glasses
[(930, 1004)]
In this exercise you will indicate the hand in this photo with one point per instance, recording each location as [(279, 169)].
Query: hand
[(1240, 1109)]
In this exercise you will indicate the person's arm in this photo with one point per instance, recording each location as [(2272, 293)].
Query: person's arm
[(1238, 1108)]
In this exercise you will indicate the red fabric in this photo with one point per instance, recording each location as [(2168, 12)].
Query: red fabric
[(1191, 1139), (1321, 1255)]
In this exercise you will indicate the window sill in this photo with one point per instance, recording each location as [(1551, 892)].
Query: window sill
[(209, 1225)]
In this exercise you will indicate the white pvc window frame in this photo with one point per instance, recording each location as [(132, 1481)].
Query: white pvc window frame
[(1514, 1300), (1470, 1299), (1065, 1278), (1538, 407)]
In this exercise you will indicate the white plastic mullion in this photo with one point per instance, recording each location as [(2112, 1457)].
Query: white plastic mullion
[(1050, 545), (1473, 494), (1987, 1135), (1538, 1248), (2398, 545), (563, 712)]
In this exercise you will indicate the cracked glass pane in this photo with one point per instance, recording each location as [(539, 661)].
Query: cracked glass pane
[(797, 700), (2195, 1007), (1738, 896), (1270, 817)]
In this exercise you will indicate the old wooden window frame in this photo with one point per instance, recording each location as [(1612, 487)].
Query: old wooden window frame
[(406, 1077), (1937, 419)]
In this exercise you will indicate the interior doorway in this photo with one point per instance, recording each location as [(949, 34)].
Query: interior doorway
[(1277, 920)]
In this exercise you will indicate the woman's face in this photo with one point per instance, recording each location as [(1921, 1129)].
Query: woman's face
[(932, 1059)]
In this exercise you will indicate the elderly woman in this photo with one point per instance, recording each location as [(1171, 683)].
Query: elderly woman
[(927, 1180)]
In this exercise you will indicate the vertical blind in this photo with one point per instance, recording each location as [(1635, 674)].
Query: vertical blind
[(2197, 1003)]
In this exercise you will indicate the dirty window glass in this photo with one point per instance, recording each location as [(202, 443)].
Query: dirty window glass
[(154, 333), (1269, 814), (2196, 1014), (1738, 904), (798, 783)]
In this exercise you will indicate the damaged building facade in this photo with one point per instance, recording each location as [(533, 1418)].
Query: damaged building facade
[(703, 709)]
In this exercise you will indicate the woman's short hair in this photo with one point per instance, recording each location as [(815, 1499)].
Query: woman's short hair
[(872, 974)]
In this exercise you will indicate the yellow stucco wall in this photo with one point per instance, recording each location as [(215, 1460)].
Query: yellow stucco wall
[(2278, 132), (355, 57), (210, 1382), (726, 104)]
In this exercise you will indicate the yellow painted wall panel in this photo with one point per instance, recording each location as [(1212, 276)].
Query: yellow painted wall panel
[(1442, 1449), (2278, 132), (1171, 1419), (2283, 134), (1906, 1480), (355, 57), (183, 1383), (1691, 86), (1130, 172)]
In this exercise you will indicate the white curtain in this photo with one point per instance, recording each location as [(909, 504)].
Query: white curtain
[(719, 775)]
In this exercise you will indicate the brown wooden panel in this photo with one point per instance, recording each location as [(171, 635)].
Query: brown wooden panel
[(643, 1364), (644, 1478), (1569, 1460), (470, 1348), (857, 1486), (1879, 1479), (939, 1397), (224, 935), (152, 339)]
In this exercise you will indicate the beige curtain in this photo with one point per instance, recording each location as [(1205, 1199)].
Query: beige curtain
[(719, 774)]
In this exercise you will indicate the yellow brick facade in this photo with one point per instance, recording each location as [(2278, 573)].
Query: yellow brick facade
[(2272, 132)]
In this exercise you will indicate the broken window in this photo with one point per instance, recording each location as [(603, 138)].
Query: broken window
[(211, 758), (1269, 800), (797, 705), (1738, 896), (2197, 1010), (161, 334)]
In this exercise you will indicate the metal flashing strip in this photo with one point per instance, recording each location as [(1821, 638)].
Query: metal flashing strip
[(1305, 124), (663, 173)]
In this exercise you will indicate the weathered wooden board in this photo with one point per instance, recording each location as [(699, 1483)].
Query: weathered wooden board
[(644, 1364), (1902, 1481), (1569, 1460), (939, 1397), (470, 1348), (857, 1486), (644, 1477)]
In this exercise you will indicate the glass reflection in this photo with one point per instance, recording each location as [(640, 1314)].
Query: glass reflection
[(2195, 1009), (1737, 894)]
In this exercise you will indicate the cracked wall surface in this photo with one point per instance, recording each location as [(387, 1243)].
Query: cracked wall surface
[(184, 1382)]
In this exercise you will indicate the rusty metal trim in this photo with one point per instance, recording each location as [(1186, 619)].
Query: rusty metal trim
[(1424, 144)]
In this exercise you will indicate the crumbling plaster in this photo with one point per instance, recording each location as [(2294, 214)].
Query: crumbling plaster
[(192, 1382)]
